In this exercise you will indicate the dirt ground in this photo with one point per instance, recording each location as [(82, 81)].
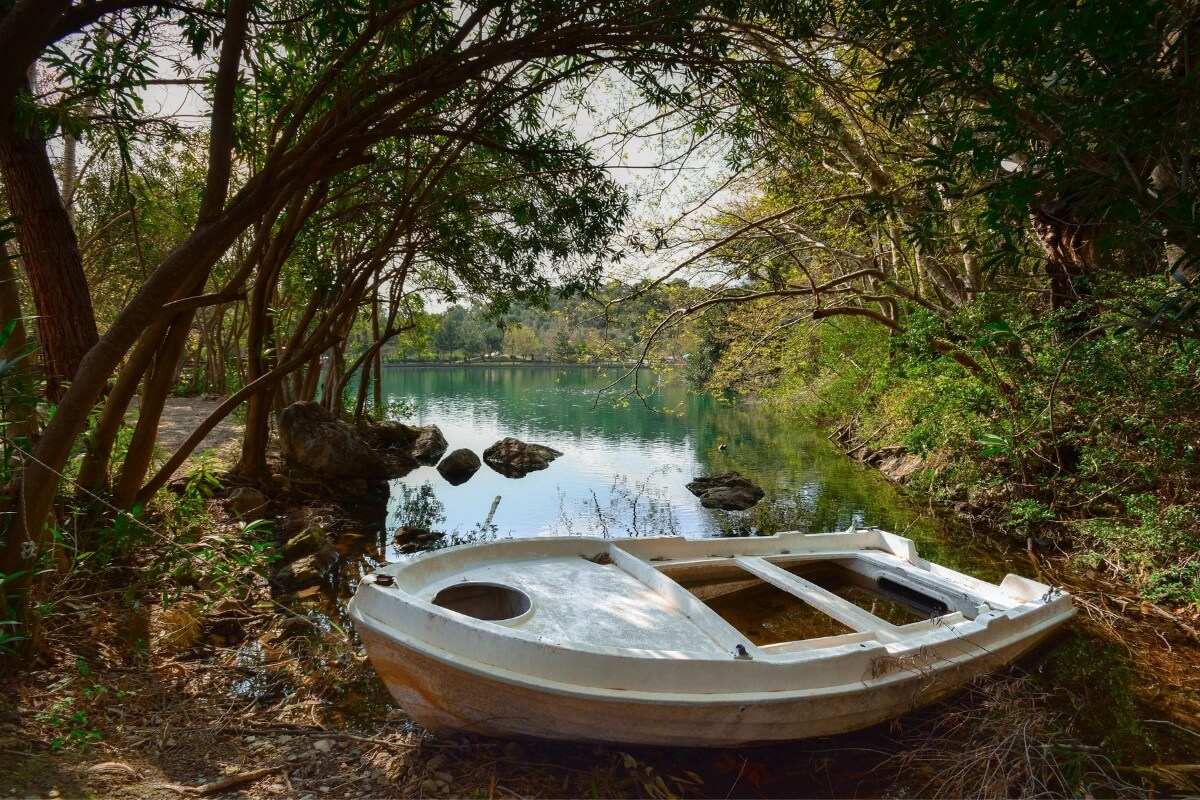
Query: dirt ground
[(182, 415)]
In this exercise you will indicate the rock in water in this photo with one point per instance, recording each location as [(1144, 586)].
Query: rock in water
[(516, 459), (312, 539), (304, 571), (729, 491), (411, 539), (393, 441), (312, 438), (304, 559), (430, 445), (458, 467)]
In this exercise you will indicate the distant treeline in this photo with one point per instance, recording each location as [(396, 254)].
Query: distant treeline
[(609, 326)]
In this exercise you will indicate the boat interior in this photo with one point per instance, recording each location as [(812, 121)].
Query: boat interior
[(769, 603)]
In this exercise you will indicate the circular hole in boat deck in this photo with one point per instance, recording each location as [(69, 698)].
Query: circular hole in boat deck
[(489, 601)]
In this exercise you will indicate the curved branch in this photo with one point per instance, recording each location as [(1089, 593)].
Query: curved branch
[(850, 311), (225, 409)]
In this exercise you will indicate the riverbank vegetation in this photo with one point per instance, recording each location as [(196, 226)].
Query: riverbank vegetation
[(972, 237), (597, 328)]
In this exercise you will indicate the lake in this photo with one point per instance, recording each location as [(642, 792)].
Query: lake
[(626, 459)]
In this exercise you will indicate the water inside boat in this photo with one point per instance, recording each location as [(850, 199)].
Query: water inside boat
[(884, 598), (766, 614)]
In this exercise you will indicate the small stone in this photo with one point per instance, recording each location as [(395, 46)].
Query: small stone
[(247, 503), (53, 793), (322, 745), (322, 789)]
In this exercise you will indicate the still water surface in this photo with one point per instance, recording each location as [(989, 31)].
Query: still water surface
[(626, 460)]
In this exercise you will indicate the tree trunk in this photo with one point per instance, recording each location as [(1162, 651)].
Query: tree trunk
[(155, 389), (1070, 247), (93, 474), (50, 252), (187, 265), (25, 28)]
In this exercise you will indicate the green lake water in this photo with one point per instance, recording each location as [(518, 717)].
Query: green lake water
[(626, 460), (623, 472)]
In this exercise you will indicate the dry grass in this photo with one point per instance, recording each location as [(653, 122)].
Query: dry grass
[(1003, 740)]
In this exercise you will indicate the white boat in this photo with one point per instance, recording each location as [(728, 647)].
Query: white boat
[(690, 642)]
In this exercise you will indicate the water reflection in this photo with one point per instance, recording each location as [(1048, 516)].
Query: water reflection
[(626, 463)]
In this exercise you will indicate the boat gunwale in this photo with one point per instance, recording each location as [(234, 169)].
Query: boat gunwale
[(936, 632)]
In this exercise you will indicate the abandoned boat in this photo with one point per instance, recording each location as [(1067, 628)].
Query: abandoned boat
[(696, 642)]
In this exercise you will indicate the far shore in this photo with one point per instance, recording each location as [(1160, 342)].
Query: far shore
[(512, 363)]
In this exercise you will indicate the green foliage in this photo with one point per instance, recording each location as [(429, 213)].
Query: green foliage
[(227, 563), (1026, 515), (11, 634), (70, 723), (202, 482), (1157, 545), (598, 327)]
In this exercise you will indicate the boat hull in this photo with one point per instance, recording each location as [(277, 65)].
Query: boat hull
[(446, 697), (529, 668)]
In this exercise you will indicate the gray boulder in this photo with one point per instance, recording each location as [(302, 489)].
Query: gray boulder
[(516, 459), (430, 445), (312, 438), (458, 467), (729, 491)]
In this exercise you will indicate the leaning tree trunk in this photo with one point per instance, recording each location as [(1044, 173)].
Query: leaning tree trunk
[(191, 262), (155, 389), (93, 473)]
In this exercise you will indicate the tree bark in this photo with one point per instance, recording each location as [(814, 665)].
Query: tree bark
[(24, 31), (155, 388), (66, 321), (170, 355), (93, 473)]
